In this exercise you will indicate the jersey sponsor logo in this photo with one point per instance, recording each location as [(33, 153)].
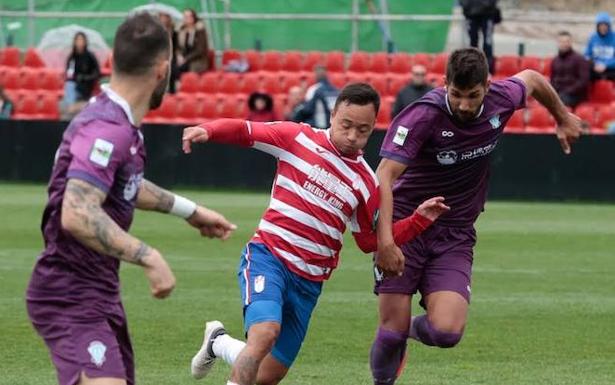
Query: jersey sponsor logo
[(448, 134), (101, 152), (478, 152), (259, 283), (327, 186), (495, 122), (132, 186), (400, 135), (97, 352), (447, 157)]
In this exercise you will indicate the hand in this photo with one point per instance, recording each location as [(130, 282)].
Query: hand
[(432, 208), (159, 274), (194, 134), (390, 260), (599, 67), (211, 224), (568, 131)]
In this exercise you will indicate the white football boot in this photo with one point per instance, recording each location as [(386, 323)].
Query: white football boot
[(204, 360)]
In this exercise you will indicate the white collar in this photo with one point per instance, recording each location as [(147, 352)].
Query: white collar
[(120, 101), (448, 107)]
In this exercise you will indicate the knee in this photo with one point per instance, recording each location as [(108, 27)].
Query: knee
[(262, 337), (438, 333), (444, 339)]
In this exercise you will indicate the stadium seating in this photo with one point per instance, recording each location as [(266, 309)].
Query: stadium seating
[(9, 57), (49, 108), (605, 116), (27, 108), (531, 63), (188, 110), (293, 61), (229, 84), (539, 121), (229, 55), (396, 83), (271, 84), (506, 65), (209, 82), (335, 61), (400, 63), (189, 82), (516, 122), (272, 61), (209, 108), (32, 59), (379, 63), (250, 83), (601, 91), (438, 65), (423, 59), (312, 59), (359, 62), (254, 59)]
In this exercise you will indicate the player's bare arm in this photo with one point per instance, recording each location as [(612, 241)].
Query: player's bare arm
[(84, 218), (210, 223), (568, 125), (389, 257)]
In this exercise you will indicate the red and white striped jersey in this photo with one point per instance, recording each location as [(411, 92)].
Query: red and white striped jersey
[(316, 194)]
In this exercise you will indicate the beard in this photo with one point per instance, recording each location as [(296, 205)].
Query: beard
[(156, 99)]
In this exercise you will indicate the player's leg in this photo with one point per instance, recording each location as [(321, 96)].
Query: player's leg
[(85, 380), (261, 338), (444, 322), (301, 299), (473, 27), (445, 287), (389, 347)]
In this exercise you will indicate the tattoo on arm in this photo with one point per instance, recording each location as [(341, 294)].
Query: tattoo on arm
[(84, 218), (155, 198)]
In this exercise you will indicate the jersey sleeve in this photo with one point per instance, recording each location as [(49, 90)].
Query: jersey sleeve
[(407, 133), (269, 137), (97, 153), (514, 90)]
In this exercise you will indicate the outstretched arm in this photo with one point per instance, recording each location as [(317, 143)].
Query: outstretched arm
[(85, 220), (568, 125), (210, 223)]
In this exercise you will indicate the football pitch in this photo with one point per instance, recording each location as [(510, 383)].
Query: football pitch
[(542, 312)]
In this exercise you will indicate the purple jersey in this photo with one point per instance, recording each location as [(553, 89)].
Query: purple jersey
[(445, 157), (102, 147)]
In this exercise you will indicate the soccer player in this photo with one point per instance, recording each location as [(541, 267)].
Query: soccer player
[(73, 298), (322, 185), (440, 145)]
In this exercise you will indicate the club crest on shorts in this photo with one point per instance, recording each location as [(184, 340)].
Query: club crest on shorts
[(97, 352), (259, 283)]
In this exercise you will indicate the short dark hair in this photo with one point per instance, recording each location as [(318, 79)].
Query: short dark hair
[(564, 33), (139, 41), (359, 93), (467, 68)]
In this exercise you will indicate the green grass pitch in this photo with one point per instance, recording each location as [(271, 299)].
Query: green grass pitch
[(543, 309)]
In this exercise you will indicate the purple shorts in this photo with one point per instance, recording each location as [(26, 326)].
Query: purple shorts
[(99, 346), (440, 259)]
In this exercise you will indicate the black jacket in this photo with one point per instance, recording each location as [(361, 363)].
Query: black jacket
[(83, 69), (407, 95), (478, 8)]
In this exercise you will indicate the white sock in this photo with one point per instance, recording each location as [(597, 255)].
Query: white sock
[(231, 383), (227, 348), (412, 331)]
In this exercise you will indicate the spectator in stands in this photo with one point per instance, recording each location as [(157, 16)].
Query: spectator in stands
[(319, 100), (192, 44), (482, 15), (601, 49), (294, 108), (413, 91), (261, 108), (6, 105), (569, 72), (168, 24), (82, 74)]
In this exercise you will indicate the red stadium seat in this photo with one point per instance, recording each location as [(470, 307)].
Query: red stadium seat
[(380, 84), (189, 82), (31, 79), (379, 62), (438, 65), (251, 83), (49, 107), (168, 109), (335, 61), (587, 113), (359, 61), (229, 84), (397, 83), (209, 108), (531, 63), (188, 109), (338, 79), (291, 79), (32, 59), (293, 61), (516, 122), (357, 77), (546, 67), (312, 59), (279, 104), (230, 108), (384, 114), (601, 91), (254, 59), (272, 61), (9, 57), (229, 55), (400, 63), (606, 116), (506, 65), (12, 79), (540, 121), (423, 59), (209, 82), (272, 84), (436, 80), (27, 108), (51, 80), (107, 66)]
